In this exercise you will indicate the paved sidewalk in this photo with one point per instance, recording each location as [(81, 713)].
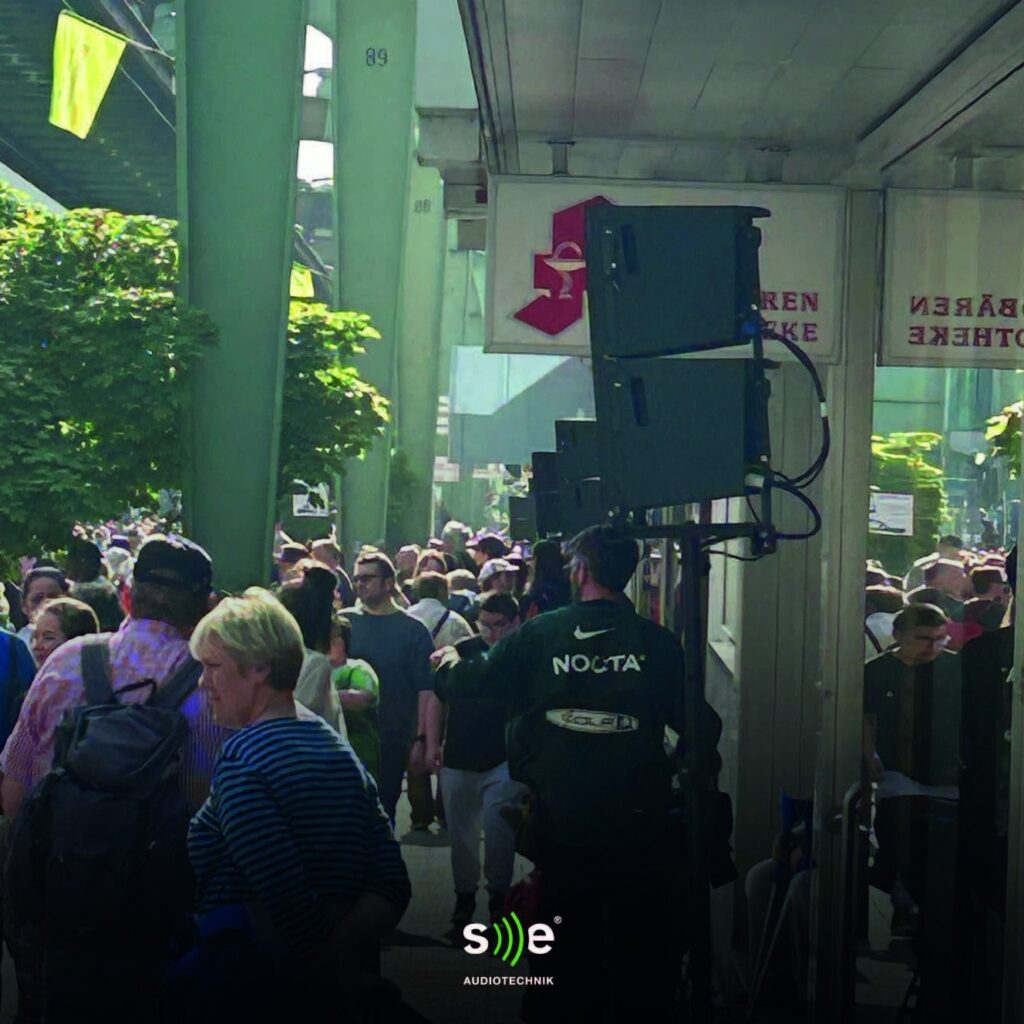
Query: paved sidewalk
[(428, 961)]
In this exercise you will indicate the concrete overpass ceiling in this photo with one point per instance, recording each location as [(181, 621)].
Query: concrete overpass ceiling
[(320, 15), (983, 148), (793, 90), (127, 162)]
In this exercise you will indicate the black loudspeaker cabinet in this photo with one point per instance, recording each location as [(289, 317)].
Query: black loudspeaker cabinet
[(545, 473), (671, 279), (680, 430), (581, 499), (544, 492), (576, 441), (522, 518), (582, 504), (567, 502)]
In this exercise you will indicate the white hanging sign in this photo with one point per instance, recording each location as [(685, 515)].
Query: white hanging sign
[(315, 504), (536, 271), (954, 282), (891, 514)]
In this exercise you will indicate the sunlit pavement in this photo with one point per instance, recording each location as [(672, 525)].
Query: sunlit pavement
[(426, 959)]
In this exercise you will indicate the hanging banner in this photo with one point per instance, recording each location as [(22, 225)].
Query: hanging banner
[(85, 57), (300, 284), (954, 280), (536, 271)]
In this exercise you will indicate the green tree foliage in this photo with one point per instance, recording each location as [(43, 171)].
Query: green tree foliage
[(901, 464), (1003, 430), (402, 483), (95, 350), (329, 414), (92, 369)]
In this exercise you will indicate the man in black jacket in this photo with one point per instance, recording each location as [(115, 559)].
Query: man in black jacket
[(475, 776), (590, 690)]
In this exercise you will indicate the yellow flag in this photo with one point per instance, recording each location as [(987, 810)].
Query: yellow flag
[(301, 282), (85, 57)]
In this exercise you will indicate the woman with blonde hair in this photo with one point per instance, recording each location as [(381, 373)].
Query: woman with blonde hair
[(298, 873)]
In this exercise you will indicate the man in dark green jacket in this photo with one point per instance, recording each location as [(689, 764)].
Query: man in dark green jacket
[(590, 690)]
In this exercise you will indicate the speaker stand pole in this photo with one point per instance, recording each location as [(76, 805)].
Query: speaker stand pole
[(698, 773), (695, 568)]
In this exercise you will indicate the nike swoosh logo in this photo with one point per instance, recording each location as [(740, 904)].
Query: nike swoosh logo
[(581, 635)]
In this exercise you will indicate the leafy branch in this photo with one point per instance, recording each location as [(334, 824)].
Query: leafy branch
[(1003, 430), (95, 356)]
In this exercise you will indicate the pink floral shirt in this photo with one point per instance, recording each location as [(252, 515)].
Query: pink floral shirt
[(140, 649)]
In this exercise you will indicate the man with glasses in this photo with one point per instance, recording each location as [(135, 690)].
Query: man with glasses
[(911, 743), (474, 774), (898, 693), (399, 648)]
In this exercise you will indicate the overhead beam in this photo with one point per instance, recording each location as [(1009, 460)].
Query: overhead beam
[(962, 90), (484, 23), (128, 23)]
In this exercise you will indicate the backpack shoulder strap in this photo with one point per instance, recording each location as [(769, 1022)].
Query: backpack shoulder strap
[(873, 639), (440, 623), (179, 687), (96, 671)]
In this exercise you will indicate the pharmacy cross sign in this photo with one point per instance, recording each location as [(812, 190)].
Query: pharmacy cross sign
[(561, 274)]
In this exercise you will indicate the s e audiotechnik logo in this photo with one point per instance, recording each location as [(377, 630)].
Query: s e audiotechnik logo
[(507, 940)]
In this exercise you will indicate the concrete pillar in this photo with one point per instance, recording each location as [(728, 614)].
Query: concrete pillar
[(375, 49), (419, 345), (850, 393), (239, 65), (779, 661)]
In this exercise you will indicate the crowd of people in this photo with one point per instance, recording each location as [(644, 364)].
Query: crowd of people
[(969, 586), (938, 649), (202, 789), (936, 737)]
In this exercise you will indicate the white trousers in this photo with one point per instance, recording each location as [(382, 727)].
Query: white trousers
[(473, 800)]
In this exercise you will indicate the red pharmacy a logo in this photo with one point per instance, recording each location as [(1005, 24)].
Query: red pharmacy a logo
[(561, 274)]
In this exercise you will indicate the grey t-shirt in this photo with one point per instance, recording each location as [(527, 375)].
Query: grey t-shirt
[(399, 648)]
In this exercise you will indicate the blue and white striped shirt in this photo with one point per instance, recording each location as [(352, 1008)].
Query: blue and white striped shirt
[(293, 825)]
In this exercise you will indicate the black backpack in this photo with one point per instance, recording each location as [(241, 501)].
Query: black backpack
[(99, 854)]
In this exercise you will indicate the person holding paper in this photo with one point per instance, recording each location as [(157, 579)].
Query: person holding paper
[(911, 741)]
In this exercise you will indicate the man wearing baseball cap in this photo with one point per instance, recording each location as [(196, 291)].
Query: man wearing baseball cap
[(171, 592), (497, 575), (288, 556), (172, 586), (485, 546)]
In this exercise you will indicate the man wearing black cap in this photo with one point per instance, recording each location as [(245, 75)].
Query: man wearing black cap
[(170, 594), (485, 546), (589, 691)]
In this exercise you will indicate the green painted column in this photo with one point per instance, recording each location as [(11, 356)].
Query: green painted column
[(239, 67), (419, 344), (375, 50), (462, 325)]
